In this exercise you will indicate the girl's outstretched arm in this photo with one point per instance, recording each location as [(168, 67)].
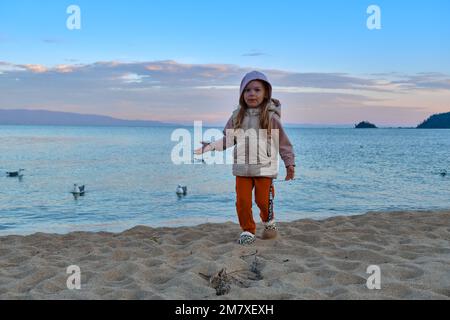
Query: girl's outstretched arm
[(221, 144)]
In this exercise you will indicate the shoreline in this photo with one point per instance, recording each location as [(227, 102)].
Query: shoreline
[(176, 223), (311, 259)]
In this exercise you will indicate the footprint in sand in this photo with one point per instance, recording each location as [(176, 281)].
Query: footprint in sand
[(368, 256), (408, 255), (443, 291), (325, 273), (338, 292), (156, 278), (120, 255), (406, 272), (34, 279), (344, 265), (152, 262), (5, 252), (346, 279), (400, 291), (52, 286), (308, 227), (307, 238)]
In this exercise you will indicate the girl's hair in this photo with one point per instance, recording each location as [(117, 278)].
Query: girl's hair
[(264, 121)]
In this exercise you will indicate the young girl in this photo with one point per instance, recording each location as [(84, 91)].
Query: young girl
[(256, 110)]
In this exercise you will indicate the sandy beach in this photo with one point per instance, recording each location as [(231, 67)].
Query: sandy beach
[(310, 259)]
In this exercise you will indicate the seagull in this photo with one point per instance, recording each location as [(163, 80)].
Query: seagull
[(78, 190), (15, 173), (181, 190)]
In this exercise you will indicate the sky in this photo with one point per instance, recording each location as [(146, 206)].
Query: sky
[(182, 61)]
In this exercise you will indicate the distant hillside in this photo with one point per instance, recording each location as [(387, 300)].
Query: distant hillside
[(365, 125), (44, 117), (436, 121)]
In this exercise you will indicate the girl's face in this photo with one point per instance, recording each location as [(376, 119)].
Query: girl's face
[(254, 94)]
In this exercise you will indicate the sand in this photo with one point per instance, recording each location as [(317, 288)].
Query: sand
[(310, 259)]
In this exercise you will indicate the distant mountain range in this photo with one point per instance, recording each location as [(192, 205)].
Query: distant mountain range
[(45, 117), (56, 118)]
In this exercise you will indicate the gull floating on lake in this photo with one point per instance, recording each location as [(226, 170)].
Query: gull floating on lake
[(78, 190), (15, 173), (181, 190)]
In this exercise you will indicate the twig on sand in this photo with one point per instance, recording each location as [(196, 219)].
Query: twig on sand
[(204, 276), (208, 277), (221, 282), (256, 269)]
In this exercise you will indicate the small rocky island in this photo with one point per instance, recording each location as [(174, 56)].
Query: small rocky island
[(436, 121), (365, 125)]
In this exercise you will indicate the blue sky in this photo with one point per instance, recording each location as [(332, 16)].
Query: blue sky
[(297, 37), (323, 36)]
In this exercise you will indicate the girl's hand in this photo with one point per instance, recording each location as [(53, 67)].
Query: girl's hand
[(203, 149), (290, 173)]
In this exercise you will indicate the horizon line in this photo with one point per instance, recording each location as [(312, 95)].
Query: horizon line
[(215, 124)]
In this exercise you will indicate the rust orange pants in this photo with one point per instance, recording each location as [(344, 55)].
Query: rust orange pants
[(264, 194)]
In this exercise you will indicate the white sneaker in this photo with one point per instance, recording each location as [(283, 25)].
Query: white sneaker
[(246, 238), (270, 230), (270, 225)]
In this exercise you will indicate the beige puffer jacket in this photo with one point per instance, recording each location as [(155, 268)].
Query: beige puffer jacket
[(255, 155)]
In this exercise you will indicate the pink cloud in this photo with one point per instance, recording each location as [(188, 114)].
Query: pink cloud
[(36, 68)]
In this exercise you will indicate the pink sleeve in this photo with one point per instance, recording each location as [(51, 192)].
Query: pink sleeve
[(286, 148)]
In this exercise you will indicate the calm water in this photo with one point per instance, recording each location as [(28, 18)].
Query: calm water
[(130, 178)]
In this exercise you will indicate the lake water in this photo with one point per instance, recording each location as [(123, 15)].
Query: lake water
[(130, 178)]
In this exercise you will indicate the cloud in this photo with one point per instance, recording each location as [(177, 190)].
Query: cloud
[(432, 80), (254, 54), (132, 78), (8, 67), (35, 68), (52, 40), (64, 68), (167, 90), (323, 80), (170, 73)]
